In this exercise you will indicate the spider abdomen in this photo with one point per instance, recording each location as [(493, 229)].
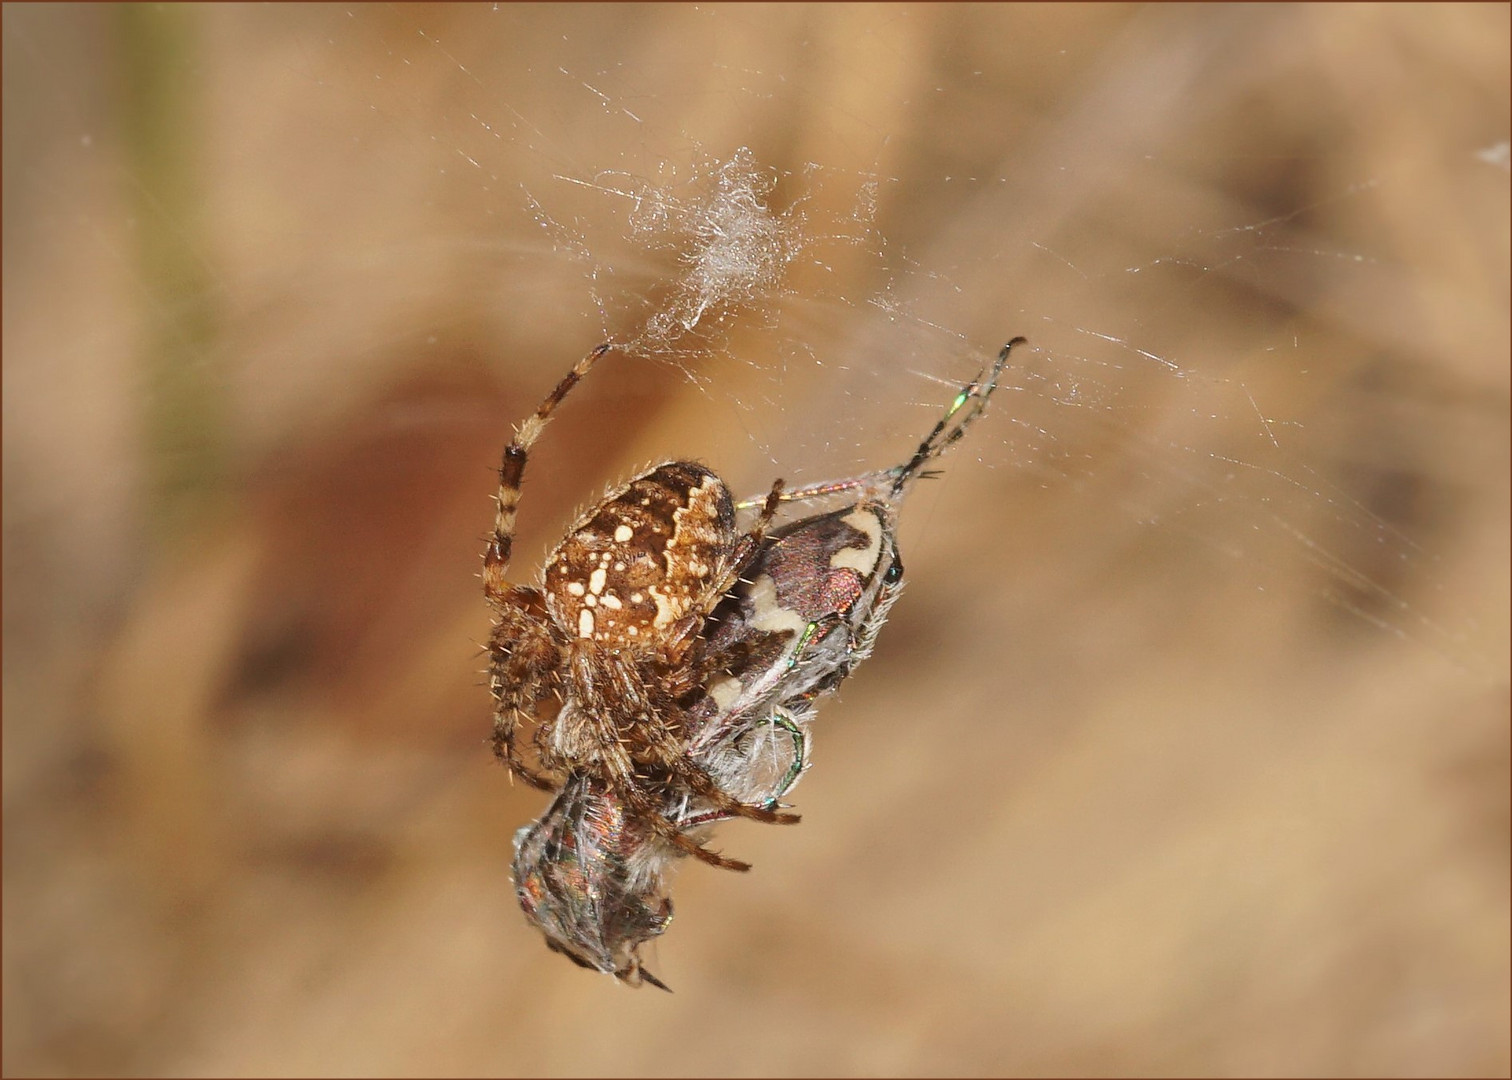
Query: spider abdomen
[(644, 558)]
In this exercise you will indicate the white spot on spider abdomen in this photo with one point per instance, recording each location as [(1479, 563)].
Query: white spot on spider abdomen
[(585, 623), (668, 609), (623, 534), (596, 580)]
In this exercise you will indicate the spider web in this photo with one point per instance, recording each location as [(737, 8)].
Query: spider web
[(821, 298), (849, 318), (1261, 423)]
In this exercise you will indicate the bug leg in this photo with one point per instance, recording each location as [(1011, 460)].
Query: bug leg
[(646, 976), (879, 478), (778, 719)]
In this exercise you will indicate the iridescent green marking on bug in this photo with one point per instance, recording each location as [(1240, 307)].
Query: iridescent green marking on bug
[(795, 770), (808, 635)]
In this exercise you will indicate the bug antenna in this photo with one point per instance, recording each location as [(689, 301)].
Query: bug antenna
[(966, 407)]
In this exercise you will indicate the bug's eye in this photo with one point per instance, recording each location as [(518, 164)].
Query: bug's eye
[(894, 572)]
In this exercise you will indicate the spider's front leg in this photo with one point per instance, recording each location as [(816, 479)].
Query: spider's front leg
[(746, 548), (512, 477), (682, 639), (525, 657), (524, 667)]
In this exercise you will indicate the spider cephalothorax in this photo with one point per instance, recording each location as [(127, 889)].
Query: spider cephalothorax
[(802, 610)]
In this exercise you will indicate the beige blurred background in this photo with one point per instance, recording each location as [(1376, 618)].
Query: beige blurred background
[(1185, 752)]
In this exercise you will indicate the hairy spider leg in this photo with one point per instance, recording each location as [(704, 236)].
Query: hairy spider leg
[(526, 673), (670, 832), (621, 777), (749, 546), (512, 475), (532, 661)]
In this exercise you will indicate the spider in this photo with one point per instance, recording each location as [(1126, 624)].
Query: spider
[(590, 874), (613, 631)]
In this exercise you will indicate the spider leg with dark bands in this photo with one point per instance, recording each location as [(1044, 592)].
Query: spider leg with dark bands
[(512, 475)]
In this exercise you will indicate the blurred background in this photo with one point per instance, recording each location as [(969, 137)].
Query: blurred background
[(1186, 750)]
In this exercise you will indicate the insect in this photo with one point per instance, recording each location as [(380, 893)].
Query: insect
[(591, 873), (591, 876)]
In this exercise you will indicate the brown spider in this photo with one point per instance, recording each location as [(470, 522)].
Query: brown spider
[(613, 632)]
